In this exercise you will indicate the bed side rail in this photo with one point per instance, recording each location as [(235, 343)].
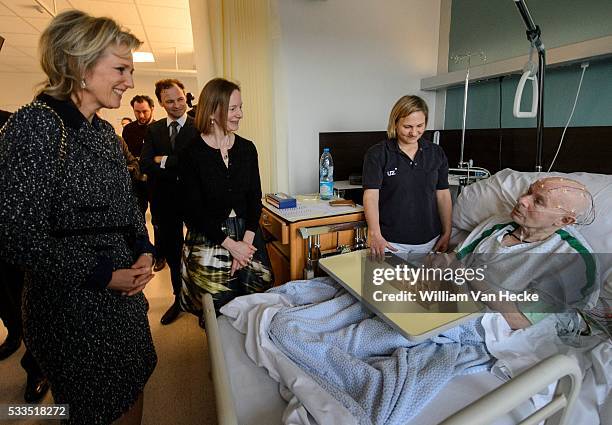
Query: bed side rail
[(224, 401), (510, 395)]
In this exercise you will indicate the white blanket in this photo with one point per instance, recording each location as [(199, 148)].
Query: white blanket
[(251, 316), (518, 350), (515, 351)]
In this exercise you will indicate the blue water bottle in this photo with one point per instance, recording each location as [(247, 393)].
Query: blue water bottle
[(326, 176)]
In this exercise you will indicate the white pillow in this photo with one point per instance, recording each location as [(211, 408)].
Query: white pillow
[(498, 194)]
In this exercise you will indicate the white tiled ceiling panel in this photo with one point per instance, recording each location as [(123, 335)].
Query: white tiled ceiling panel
[(163, 25)]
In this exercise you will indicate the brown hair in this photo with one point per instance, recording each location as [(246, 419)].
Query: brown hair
[(214, 101), (72, 44), (165, 85), (405, 106), (141, 98)]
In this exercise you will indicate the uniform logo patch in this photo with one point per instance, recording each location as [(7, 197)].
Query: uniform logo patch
[(392, 172)]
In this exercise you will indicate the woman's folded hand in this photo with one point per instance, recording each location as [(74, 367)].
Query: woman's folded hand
[(130, 281), (240, 251)]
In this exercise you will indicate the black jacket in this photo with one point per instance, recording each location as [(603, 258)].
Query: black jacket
[(210, 190), (163, 181)]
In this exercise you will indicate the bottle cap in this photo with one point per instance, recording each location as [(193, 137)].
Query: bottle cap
[(325, 149)]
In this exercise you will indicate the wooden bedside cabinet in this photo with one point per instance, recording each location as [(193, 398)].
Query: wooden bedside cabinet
[(286, 230)]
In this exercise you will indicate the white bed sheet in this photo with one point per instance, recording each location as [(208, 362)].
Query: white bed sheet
[(256, 396), (258, 401)]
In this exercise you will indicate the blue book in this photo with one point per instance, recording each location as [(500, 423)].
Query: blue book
[(281, 200)]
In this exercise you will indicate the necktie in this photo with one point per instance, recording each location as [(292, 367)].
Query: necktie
[(173, 132)]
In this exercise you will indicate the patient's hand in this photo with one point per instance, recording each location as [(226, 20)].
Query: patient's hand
[(516, 320), (441, 260)]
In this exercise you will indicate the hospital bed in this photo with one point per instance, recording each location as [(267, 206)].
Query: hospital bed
[(245, 394)]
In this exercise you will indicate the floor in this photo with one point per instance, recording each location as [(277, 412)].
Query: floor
[(180, 391)]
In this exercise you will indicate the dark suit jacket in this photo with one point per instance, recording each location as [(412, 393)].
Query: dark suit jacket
[(165, 199), (4, 116)]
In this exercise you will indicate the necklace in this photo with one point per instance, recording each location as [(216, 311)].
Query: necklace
[(222, 146)]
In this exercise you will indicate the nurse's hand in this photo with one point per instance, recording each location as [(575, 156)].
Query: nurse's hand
[(442, 243), (377, 246)]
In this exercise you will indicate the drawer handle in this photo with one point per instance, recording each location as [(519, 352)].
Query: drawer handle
[(265, 221)]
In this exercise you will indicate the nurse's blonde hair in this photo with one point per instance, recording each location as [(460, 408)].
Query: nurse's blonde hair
[(405, 106)]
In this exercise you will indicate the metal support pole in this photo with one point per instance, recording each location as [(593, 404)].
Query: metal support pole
[(457, 58), (540, 116), (534, 36), (465, 98)]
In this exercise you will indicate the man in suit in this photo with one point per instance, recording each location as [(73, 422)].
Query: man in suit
[(164, 139)]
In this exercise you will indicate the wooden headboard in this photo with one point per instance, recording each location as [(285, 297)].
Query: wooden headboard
[(586, 149)]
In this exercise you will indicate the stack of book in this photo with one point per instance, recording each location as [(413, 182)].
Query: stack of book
[(281, 200)]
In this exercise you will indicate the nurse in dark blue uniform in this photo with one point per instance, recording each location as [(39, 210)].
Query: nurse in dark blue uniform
[(407, 201)]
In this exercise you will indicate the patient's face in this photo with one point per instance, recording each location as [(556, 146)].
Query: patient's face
[(547, 203)]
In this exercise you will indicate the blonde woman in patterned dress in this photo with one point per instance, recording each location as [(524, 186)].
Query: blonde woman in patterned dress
[(69, 219), (224, 252)]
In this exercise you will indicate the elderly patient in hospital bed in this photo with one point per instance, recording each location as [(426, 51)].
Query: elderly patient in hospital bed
[(354, 368), (537, 251)]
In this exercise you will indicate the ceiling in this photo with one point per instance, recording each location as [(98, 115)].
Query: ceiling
[(163, 25)]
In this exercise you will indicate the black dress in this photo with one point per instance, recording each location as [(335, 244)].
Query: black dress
[(68, 217)]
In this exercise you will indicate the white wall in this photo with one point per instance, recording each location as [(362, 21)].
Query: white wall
[(343, 63), (19, 89)]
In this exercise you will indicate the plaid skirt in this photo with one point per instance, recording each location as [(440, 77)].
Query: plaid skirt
[(206, 267)]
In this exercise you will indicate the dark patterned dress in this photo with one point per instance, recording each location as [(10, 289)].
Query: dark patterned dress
[(68, 217), (206, 267)]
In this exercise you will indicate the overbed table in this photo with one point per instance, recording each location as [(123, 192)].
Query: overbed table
[(415, 321)]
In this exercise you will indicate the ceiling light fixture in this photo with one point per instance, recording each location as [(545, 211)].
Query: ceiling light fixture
[(143, 57), (43, 7)]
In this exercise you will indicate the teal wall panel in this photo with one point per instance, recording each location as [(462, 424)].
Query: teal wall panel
[(594, 107), (496, 28)]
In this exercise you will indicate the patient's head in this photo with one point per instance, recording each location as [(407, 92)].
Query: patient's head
[(552, 203)]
